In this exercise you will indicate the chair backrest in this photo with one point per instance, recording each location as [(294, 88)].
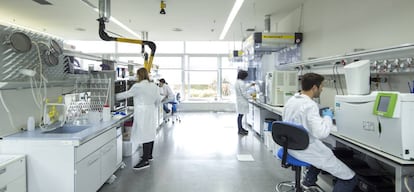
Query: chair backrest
[(178, 97), (290, 135)]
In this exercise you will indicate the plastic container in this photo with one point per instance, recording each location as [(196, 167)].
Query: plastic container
[(268, 124), (106, 113), (267, 132), (30, 123), (357, 76)]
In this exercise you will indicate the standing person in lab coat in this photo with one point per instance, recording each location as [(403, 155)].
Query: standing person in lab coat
[(167, 95), (146, 97), (301, 109), (242, 103)]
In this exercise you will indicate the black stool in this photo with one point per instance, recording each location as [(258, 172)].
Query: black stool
[(290, 136)]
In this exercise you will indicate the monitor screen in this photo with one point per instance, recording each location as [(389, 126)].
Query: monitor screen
[(384, 102)]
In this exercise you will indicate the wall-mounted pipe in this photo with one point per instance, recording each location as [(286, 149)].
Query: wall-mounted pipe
[(104, 36)]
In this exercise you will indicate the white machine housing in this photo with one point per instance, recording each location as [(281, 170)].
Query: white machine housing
[(397, 131), (280, 86), (393, 135), (355, 120)]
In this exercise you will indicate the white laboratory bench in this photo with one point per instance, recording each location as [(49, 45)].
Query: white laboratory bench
[(12, 173), (69, 162), (258, 112), (401, 167)]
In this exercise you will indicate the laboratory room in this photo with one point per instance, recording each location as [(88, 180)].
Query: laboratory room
[(206, 96)]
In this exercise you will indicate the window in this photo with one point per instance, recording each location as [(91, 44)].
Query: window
[(202, 63), (170, 47), (129, 48), (201, 78), (170, 69), (201, 85), (94, 46), (135, 60), (208, 47), (198, 70), (228, 78)]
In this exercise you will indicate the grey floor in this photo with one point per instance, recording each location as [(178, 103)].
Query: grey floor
[(200, 155)]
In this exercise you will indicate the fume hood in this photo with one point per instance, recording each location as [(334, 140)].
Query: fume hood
[(259, 49), (261, 42)]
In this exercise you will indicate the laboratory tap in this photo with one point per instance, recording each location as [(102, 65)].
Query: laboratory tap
[(405, 65), (392, 66), (373, 66), (381, 67)]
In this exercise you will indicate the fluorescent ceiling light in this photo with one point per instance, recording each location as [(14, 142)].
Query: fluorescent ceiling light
[(2, 84), (113, 19), (236, 7), (124, 27), (7, 23)]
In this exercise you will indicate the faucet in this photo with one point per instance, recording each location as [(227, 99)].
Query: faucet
[(391, 66), (382, 66)]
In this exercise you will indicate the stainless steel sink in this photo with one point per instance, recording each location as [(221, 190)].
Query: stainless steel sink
[(69, 129)]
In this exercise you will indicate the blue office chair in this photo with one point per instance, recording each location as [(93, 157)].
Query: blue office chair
[(290, 136), (174, 109)]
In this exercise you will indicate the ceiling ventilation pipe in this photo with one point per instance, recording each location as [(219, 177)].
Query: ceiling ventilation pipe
[(104, 16), (144, 35), (267, 24)]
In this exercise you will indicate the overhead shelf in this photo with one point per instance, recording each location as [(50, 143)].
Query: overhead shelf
[(126, 63), (82, 55)]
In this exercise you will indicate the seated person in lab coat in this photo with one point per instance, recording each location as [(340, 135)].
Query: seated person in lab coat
[(301, 109), (167, 95)]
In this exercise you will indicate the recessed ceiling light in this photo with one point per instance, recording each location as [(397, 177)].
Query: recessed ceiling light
[(177, 29), (80, 29)]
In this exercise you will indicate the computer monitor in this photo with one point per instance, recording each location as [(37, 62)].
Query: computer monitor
[(385, 104)]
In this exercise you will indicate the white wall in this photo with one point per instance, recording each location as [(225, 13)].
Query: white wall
[(336, 26), (21, 105)]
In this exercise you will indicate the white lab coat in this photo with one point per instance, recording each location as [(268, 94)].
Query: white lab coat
[(242, 103), (146, 101), (301, 109), (167, 91)]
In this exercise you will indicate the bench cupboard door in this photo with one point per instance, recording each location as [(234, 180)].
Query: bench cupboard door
[(108, 160), (88, 173)]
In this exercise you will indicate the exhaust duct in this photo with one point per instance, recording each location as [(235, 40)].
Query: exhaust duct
[(267, 24)]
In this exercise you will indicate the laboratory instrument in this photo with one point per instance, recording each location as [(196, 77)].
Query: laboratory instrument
[(357, 77), (381, 120), (280, 86)]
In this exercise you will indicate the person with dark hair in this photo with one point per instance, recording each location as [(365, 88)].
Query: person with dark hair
[(301, 109), (242, 104), (146, 97), (167, 95)]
